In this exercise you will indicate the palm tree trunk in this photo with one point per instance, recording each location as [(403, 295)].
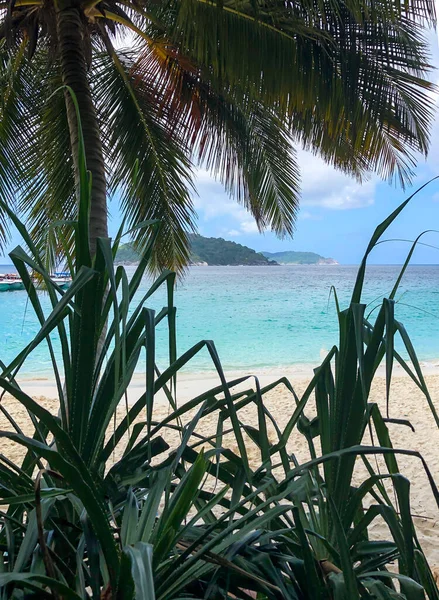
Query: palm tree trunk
[(74, 73)]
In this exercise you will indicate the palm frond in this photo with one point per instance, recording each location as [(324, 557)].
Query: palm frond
[(47, 193), (36, 167), (134, 133), (355, 70), (12, 139), (244, 144), (271, 172)]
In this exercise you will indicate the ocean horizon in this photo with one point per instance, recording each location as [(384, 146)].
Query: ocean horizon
[(259, 318)]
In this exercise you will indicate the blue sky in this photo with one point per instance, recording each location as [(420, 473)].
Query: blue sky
[(337, 215)]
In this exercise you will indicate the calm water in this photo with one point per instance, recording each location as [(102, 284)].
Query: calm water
[(258, 316)]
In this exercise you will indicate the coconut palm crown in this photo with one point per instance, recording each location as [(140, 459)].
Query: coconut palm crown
[(233, 86)]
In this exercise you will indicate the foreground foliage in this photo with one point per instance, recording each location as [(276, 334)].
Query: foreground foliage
[(91, 515)]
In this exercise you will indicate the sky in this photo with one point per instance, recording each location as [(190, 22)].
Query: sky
[(337, 215)]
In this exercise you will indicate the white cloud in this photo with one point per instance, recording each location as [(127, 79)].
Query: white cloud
[(204, 176), (321, 185), (249, 226), (305, 215), (324, 186), (212, 201)]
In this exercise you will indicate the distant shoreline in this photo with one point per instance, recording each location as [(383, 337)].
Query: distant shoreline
[(132, 264), (128, 264)]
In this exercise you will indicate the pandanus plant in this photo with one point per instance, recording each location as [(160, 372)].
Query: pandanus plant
[(232, 87)]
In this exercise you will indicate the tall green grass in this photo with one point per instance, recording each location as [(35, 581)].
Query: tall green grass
[(201, 520)]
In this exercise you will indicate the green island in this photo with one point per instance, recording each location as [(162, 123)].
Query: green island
[(293, 257), (219, 252), (207, 251)]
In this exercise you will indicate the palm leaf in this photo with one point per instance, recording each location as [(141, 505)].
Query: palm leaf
[(48, 181), (134, 134), (244, 144), (357, 71)]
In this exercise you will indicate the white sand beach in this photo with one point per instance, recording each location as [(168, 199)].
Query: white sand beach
[(407, 402)]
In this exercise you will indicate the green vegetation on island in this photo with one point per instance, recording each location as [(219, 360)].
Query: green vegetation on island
[(292, 257), (126, 253), (210, 251), (217, 251)]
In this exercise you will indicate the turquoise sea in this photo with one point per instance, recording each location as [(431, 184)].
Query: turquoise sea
[(258, 317)]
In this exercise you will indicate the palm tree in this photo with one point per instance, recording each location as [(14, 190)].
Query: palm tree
[(230, 85)]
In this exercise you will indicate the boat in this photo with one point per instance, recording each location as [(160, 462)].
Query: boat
[(10, 282), (62, 279)]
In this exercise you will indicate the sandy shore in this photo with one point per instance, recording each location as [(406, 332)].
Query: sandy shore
[(193, 384), (407, 402)]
